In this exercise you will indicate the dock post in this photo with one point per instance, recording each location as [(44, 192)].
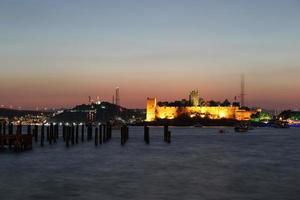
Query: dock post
[(28, 129), (68, 135), (64, 132), (109, 131), (100, 133), (51, 133), (77, 133), (122, 135), (166, 129), (127, 133), (104, 133), (42, 135), (146, 135), (169, 137), (36, 132), (10, 129), (72, 134), (2, 141), (19, 129), (90, 132), (56, 131), (4, 128), (82, 133), (96, 136), (48, 133), (10, 132)]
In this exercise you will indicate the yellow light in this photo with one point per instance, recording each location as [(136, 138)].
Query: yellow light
[(222, 114)]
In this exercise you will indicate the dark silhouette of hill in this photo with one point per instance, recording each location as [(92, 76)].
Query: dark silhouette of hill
[(11, 113), (103, 112)]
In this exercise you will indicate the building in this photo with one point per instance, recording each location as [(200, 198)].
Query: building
[(151, 109), (194, 98), (155, 111)]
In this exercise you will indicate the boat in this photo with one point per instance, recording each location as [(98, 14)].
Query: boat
[(281, 124), (241, 127)]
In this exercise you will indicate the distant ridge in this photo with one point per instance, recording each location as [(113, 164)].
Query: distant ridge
[(10, 113)]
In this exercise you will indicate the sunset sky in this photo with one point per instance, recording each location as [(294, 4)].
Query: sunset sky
[(56, 53)]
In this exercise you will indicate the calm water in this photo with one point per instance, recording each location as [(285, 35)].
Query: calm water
[(200, 163)]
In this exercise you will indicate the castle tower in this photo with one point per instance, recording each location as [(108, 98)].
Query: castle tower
[(151, 109), (117, 96), (194, 98), (242, 90)]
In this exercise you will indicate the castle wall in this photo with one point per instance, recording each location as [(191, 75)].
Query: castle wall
[(151, 109), (218, 112), (167, 112)]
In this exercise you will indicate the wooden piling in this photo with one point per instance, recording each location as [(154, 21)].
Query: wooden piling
[(127, 133), (89, 132), (146, 135), (82, 133), (48, 133), (49, 139), (42, 135), (96, 136), (68, 136), (35, 133), (122, 136), (10, 132), (56, 130), (104, 133), (72, 134), (100, 134), (19, 129), (4, 128), (64, 132), (1, 141), (77, 133), (169, 137), (29, 129), (166, 129), (51, 134), (109, 130)]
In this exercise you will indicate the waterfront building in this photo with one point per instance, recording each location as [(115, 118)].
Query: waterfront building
[(194, 98), (157, 111)]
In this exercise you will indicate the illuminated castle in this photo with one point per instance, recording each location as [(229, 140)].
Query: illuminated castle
[(157, 111)]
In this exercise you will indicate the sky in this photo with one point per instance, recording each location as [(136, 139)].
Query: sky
[(56, 53)]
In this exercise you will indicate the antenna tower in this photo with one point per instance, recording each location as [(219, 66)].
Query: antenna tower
[(117, 96), (242, 90)]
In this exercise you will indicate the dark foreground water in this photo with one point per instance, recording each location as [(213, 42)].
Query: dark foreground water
[(199, 164)]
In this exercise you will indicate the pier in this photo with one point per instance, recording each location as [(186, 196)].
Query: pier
[(19, 138)]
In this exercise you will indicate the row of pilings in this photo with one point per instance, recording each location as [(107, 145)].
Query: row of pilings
[(49, 133), (167, 134), (72, 134)]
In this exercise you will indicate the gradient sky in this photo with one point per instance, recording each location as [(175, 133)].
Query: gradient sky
[(56, 53)]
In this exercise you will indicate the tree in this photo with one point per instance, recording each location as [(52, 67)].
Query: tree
[(226, 103), (213, 103)]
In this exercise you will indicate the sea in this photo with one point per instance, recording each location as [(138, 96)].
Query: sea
[(198, 164)]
